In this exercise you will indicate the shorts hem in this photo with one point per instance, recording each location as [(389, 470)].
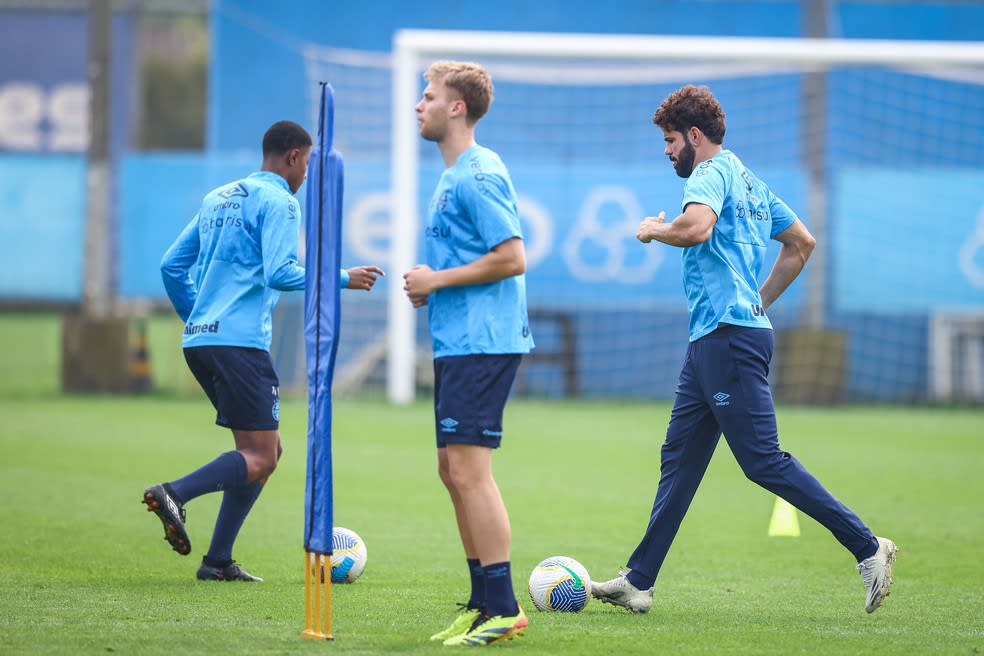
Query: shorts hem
[(470, 441), (248, 428)]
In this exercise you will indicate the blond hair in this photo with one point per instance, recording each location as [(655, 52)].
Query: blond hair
[(469, 80)]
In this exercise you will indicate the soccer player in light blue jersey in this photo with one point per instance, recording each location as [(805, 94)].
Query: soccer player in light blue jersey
[(224, 275), (475, 289), (728, 218)]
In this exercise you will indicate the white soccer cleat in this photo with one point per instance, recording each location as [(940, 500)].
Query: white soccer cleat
[(619, 592), (876, 573)]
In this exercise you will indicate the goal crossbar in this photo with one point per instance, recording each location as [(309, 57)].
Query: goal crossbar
[(645, 47), (412, 50)]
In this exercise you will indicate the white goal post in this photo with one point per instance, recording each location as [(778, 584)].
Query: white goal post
[(545, 57)]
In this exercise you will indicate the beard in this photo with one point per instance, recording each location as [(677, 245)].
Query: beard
[(432, 132), (684, 164)]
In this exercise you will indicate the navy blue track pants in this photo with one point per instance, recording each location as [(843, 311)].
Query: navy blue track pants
[(724, 387)]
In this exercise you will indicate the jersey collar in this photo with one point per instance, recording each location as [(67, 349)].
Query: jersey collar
[(271, 177)]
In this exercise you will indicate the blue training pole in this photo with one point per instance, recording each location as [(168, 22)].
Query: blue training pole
[(321, 309)]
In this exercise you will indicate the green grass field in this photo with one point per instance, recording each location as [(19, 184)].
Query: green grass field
[(84, 569)]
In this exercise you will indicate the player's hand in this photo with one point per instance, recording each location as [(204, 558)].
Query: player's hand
[(363, 277), (418, 283), (647, 229)]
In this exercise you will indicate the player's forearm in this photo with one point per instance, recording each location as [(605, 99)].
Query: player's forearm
[(693, 227), (288, 277), (178, 285), (175, 264), (504, 261), (681, 234), (181, 291), (797, 246), (787, 268), (476, 273)]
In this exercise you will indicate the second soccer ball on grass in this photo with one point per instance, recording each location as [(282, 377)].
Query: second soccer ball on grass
[(560, 583), (348, 555)]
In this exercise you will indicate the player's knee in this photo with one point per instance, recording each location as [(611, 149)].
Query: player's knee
[(260, 466), (763, 468), (268, 466), (444, 473), (464, 479)]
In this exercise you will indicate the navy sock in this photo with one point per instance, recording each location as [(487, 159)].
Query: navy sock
[(477, 583), (640, 581), (236, 504), (211, 562), (224, 473), (499, 596)]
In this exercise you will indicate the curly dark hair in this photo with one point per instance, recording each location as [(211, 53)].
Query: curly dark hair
[(692, 106)]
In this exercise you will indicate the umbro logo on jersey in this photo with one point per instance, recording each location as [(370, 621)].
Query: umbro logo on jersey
[(234, 190), (722, 398), (449, 425)]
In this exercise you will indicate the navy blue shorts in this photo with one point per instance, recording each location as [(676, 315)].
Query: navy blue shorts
[(470, 393), (240, 382)]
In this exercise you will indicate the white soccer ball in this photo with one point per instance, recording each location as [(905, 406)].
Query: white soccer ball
[(348, 555), (561, 584)]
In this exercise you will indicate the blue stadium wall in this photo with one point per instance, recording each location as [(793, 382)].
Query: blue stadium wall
[(257, 76)]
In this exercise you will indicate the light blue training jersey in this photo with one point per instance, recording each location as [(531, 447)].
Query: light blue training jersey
[(241, 248), (473, 210), (720, 275)]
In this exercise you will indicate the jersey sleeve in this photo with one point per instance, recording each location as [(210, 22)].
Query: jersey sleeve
[(175, 270), (280, 238), (782, 215), (707, 186), (490, 202)]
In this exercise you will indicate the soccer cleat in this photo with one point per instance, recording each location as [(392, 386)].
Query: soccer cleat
[(876, 573), (487, 629), (172, 516), (461, 624), (619, 592), (231, 572)]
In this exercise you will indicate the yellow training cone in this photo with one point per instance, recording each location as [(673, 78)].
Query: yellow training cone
[(784, 520)]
